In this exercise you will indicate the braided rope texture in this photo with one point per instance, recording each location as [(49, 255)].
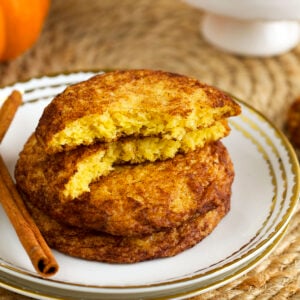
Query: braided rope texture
[(164, 34)]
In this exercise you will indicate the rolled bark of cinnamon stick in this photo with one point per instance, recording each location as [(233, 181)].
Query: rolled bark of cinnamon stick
[(8, 110), (25, 227)]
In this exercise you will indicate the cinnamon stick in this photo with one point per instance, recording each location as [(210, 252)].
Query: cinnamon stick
[(8, 110), (25, 227)]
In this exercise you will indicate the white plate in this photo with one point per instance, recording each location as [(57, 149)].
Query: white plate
[(264, 197)]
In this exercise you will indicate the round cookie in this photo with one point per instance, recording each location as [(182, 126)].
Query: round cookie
[(115, 249), (133, 199)]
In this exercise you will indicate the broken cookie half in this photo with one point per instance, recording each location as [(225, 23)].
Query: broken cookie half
[(139, 103)]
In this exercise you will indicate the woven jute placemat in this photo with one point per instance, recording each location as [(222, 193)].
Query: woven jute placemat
[(164, 34)]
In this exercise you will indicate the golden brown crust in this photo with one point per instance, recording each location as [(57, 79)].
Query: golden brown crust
[(140, 90), (113, 249), (293, 123), (134, 199)]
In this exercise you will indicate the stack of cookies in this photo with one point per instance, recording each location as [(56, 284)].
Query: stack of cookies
[(128, 166)]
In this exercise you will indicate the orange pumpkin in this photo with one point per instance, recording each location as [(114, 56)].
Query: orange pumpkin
[(21, 22)]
